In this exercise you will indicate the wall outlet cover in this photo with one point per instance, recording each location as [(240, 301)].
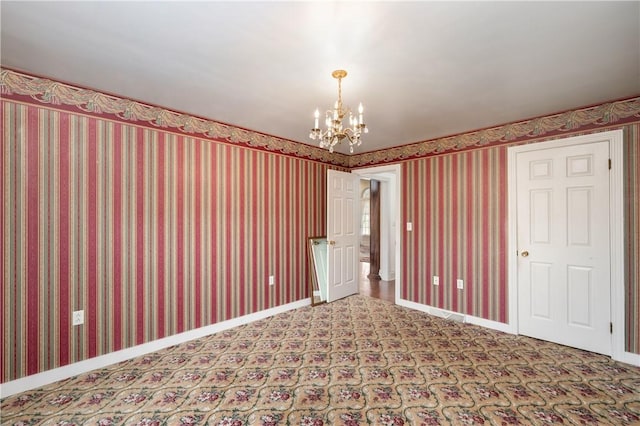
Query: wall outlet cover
[(77, 318)]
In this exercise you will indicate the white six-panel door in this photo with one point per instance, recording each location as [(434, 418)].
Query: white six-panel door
[(343, 233), (563, 245)]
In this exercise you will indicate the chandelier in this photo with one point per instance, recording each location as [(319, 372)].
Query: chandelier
[(335, 132)]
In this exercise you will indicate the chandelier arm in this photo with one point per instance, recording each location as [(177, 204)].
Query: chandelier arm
[(335, 133)]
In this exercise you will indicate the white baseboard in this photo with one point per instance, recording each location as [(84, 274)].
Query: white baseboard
[(493, 325), (456, 316), (41, 379), (630, 358), (431, 310), (387, 275), (626, 357)]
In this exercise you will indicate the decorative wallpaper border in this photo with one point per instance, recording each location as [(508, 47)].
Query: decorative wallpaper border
[(53, 92), (619, 112), (90, 101)]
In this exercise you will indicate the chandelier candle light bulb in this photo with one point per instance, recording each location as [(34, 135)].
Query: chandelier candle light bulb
[(334, 133)]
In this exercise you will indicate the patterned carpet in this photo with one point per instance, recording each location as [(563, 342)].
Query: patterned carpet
[(352, 362)]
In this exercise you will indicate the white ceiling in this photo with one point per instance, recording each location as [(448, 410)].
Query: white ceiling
[(422, 69)]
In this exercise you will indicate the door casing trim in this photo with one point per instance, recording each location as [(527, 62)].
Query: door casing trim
[(391, 173)]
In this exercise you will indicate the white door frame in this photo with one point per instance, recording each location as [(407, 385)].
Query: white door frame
[(392, 174), (616, 225)]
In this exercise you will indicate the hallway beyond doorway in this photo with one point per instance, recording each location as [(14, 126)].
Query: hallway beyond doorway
[(379, 289)]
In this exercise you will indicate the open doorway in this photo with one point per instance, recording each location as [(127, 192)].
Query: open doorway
[(371, 283), (385, 283)]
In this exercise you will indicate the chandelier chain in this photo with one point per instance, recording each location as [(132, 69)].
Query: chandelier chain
[(340, 95)]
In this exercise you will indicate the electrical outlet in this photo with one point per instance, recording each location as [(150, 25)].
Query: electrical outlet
[(77, 318), (409, 226), (436, 280), (460, 284), (272, 280)]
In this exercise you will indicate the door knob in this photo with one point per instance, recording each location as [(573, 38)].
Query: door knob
[(525, 253), (332, 243)]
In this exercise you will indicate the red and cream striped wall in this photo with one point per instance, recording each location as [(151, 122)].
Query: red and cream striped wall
[(457, 203), (458, 206), (632, 236), (152, 233)]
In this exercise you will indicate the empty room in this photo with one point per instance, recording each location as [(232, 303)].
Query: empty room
[(320, 213)]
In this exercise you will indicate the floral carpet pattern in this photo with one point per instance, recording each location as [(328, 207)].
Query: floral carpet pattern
[(353, 362)]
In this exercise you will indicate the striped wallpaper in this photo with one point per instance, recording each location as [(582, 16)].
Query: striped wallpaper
[(632, 233), (457, 203), (458, 206), (152, 233), (155, 231)]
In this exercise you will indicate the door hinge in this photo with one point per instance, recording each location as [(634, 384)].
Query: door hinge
[(609, 163), (610, 328)]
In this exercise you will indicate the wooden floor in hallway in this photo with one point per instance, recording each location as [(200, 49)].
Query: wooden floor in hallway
[(379, 289)]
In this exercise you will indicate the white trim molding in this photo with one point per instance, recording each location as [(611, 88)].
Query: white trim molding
[(456, 316), (629, 358), (626, 357), (391, 173), (47, 377)]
